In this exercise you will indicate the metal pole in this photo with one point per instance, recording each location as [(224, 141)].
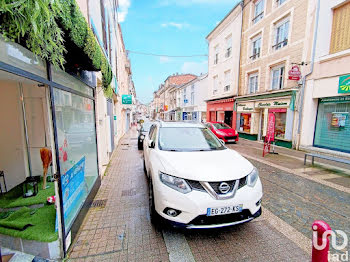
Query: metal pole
[(25, 128)]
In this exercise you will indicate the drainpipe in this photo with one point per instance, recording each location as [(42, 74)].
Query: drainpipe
[(239, 59), (302, 91)]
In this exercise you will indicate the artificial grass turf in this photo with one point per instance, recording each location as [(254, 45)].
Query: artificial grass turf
[(14, 197), (15, 220), (42, 223)]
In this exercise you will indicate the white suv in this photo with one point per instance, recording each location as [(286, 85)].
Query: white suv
[(195, 181)]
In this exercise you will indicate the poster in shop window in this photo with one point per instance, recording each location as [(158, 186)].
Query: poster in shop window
[(270, 133), (338, 119), (73, 191)]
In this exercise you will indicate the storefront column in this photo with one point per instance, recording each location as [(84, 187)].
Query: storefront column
[(266, 117)]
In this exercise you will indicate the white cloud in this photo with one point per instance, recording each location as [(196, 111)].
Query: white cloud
[(123, 9), (164, 59), (195, 67), (176, 25)]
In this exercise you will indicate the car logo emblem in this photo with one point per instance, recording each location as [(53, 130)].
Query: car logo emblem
[(224, 187)]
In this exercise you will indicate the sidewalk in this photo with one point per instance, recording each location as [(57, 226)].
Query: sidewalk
[(120, 231)]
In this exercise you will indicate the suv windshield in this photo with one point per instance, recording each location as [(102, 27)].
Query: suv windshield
[(221, 126), (188, 139), (146, 126)]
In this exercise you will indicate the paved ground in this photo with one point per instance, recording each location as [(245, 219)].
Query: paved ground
[(293, 197)]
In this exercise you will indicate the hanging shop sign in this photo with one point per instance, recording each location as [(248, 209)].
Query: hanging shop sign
[(126, 99), (245, 107), (166, 108), (294, 73), (344, 84), (273, 103)]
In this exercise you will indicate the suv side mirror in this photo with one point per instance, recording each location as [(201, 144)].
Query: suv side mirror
[(222, 141), (151, 144)]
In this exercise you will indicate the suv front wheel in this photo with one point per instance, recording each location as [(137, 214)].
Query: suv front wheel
[(154, 217)]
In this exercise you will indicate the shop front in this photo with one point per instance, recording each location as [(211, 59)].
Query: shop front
[(221, 111), (332, 129), (252, 117), (48, 150)]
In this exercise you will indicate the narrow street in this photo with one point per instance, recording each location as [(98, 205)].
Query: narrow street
[(294, 196)]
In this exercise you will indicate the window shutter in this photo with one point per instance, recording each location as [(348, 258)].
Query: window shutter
[(340, 39)]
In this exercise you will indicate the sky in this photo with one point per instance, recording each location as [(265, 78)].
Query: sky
[(168, 27)]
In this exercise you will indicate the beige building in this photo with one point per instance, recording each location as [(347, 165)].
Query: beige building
[(325, 124), (223, 67), (275, 37)]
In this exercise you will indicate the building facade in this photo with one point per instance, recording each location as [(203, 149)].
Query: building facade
[(325, 124), (163, 98), (191, 100), (224, 44), (275, 37)]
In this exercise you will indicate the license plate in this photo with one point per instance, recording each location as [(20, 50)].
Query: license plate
[(231, 140), (215, 211)]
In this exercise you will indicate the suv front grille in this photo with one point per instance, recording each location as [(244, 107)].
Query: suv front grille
[(196, 185), (215, 186)]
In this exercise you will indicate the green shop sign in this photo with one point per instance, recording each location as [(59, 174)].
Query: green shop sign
[(341, 99), (344, 84), (126, 99)]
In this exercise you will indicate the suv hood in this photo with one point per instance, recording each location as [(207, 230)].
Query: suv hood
[(209, 166)]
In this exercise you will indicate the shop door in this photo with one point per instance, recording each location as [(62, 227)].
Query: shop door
[(228, 118), (212, 116)]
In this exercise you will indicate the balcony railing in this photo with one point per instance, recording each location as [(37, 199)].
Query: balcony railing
[(280, 44), (258, 17), (255, 56)]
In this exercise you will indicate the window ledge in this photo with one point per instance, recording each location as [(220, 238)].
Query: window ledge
[(340, 54)]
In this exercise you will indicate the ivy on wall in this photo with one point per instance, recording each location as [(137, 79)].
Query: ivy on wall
[(40, 25)]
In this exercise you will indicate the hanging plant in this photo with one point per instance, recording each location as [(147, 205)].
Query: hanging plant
[(32, 23), (93, 50), (40, 25)]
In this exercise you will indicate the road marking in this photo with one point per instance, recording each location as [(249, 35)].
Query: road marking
[(177, 246), (287, 230), (288, 170), (326, 176)]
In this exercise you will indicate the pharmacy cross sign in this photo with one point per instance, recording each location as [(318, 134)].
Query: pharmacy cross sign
[(344, 84)]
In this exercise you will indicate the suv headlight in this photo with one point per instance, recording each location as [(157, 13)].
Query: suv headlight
[(253, 177), (176, 183)]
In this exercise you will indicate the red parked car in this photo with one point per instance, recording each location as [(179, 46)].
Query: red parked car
[(223, 131)]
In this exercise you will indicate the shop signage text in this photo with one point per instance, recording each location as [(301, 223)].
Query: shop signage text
[(245, 107), (344, 84), (335, 99), (294, 73), (126, 99), (281, 103)]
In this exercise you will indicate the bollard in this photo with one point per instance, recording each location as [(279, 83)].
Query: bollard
[(320, 241)]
